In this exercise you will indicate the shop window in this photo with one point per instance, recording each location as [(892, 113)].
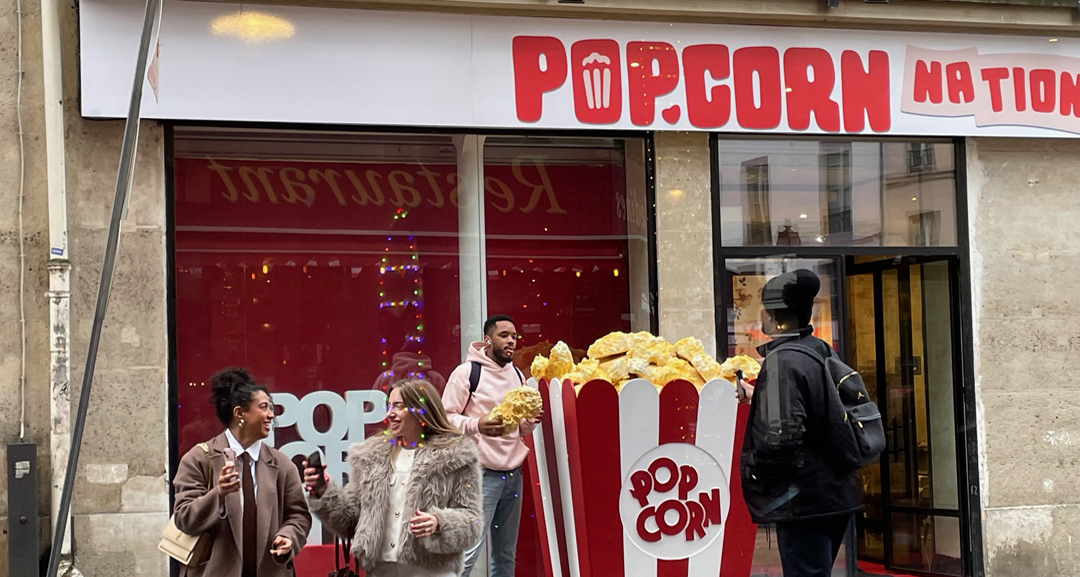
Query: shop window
[(566, 243), (836, 193), (323, 263), (333, 264)]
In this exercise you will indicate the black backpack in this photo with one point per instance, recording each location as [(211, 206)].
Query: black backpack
[(861, 414)]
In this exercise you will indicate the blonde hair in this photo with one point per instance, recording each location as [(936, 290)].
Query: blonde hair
[(423, 400)]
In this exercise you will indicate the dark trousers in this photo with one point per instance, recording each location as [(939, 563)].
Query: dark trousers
[(809, 548)]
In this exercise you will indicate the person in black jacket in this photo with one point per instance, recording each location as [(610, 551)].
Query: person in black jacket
[(791, 474)]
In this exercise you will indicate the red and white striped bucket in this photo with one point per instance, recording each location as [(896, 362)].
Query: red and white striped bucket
[(664, 464)]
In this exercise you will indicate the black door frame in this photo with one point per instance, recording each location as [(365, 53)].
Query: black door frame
[(901, 266), (963, 359)]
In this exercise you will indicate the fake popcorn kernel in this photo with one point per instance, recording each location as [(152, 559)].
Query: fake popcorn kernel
[(520, 403), (561, 361), (678, 369), (587, 370), (653, 350), (691, 350), (539, 367), (707, 367), (688, 348), (617, 368), (748, 365), (611, 344)]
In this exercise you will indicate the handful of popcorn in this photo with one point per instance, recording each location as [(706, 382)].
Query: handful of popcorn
[(748, 365), (520, 403), (619, 357)]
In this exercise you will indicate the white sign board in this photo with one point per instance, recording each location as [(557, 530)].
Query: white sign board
[(221, 62)]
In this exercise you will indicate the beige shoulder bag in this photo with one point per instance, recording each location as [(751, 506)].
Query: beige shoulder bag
[(191, 550)]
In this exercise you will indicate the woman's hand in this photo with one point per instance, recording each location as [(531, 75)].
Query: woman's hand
[(228, 481), (314, 480), (282, 547), (423, 524)]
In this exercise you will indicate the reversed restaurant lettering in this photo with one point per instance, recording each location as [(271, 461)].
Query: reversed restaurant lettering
[(363, 185)]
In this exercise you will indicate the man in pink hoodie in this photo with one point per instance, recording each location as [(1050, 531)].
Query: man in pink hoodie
[(472, 391)]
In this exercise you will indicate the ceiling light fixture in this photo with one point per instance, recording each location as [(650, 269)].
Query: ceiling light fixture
[(253, 27)]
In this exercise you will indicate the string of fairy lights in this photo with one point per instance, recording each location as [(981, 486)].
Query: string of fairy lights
[(401, 288)]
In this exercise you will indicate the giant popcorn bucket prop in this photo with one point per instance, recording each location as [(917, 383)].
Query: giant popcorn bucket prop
[(641, 482)]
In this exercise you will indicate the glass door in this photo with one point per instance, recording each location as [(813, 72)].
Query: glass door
[(901, 338)]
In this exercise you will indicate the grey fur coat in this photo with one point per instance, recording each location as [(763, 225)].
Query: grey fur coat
[(445, 482)]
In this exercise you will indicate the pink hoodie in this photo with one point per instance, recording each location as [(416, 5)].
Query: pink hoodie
[(496, 453)]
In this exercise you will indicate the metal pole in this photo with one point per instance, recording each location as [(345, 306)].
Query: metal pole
[(123, 189)]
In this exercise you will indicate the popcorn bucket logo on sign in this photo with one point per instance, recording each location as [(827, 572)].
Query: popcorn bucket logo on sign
[(597, 81), (673, 501)]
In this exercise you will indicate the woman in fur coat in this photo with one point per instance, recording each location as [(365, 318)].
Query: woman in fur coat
[(413, 503)]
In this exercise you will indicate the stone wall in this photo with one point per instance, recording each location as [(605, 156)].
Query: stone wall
[(121, 498), (1024, 200), (684, 249), (36, 237)]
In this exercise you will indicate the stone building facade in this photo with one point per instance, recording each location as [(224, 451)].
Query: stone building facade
[(1021, 207)]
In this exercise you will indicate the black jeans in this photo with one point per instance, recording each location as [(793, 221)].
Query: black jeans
[(809, 548)]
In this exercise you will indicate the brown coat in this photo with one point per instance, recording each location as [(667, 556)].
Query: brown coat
[(282, 510)]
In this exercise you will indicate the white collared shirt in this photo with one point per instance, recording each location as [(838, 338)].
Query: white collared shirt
[(253, 451), (397, 518)]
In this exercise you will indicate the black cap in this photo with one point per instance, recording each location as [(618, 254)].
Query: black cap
[(794, 291)]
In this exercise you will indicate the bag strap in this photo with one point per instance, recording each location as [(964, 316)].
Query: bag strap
[(773, 410), (209, 465), (777, 405), (474, 382), (812, 354), (802, 349), (343, 548)]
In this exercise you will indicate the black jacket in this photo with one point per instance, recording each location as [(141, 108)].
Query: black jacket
[(807, 480)]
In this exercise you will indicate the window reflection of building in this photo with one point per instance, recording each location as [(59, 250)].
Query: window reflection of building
[(835, 192), (919, 209), (925, 228), (755, 183), (836, 203), (920, 156)]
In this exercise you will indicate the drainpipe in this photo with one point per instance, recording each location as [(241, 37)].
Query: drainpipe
[(59, 266)]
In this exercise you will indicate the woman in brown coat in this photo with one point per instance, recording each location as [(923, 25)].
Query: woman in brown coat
[(248, 541)]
